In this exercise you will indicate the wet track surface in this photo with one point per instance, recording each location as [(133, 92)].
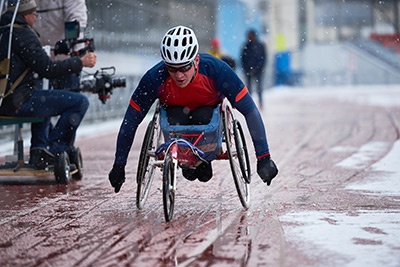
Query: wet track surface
[(311, 133)]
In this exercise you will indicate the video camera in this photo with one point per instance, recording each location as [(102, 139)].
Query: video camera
[(71, 43), (102, 83)]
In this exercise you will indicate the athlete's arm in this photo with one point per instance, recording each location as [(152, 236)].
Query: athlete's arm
[(237, 93), (139, 104)]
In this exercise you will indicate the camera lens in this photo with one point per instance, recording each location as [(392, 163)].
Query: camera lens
[(119, 82)]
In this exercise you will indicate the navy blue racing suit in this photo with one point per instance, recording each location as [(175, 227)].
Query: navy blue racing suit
[(213, 81)]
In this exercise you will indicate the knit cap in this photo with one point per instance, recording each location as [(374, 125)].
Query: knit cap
[(25, 6)]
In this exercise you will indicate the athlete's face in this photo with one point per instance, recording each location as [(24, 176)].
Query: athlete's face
[(183, 75)]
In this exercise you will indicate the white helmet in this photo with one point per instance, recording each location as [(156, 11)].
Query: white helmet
[(179, 46)]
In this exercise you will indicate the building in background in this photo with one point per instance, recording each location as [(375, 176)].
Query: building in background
[(324, 41), (136, 26), (328, 42)]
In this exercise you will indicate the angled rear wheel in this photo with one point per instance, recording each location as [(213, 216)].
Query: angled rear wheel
[(238, 155), (146, 169)]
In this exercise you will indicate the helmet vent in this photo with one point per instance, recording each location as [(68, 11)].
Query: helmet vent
[(168, 41), (188, 51), (179, 46), (193, 54)]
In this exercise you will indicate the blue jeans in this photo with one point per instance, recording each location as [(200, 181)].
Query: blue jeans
[(70, 106), (70, 82)]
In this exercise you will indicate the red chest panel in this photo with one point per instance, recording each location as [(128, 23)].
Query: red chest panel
[(200, 92)]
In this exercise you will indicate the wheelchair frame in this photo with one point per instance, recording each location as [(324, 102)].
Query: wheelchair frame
[(233, 149), (17, 164)]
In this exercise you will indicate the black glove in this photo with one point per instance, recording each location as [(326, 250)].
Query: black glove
[(117, 177), (266, 169)]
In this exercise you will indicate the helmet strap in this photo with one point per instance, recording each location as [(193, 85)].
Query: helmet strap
[(195, 72)]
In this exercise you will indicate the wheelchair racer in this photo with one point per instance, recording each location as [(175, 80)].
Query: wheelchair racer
[(189, 85)]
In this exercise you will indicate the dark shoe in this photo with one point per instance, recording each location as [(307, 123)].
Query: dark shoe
[(204, 172), (40, 158), (189, 174)]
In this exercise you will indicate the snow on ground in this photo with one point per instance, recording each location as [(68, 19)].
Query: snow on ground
[(359, 159), (371, 238), (106, 127), (374, 95), (365, 237), (388, 183)]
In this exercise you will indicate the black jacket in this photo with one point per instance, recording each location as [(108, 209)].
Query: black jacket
[(28, 52), (254, 57)]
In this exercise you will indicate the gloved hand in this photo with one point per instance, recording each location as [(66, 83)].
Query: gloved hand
[(117, 177), (266, 169)]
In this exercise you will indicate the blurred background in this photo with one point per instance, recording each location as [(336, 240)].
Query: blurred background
[(310, 42)]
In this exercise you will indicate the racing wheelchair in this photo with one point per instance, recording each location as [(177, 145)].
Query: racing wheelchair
[(170, 147)]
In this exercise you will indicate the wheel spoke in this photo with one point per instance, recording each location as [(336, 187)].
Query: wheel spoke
[(146, 168), (238, 156)]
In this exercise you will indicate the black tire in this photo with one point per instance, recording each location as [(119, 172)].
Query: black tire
[(61, 168), (76, 158), (146, 170), (242, 152), (169, 176), (238, 156)]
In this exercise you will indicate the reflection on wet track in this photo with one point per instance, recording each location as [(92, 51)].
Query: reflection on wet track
[(310, 133)]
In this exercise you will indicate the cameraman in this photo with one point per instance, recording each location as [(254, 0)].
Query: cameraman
[(50, 24), (26, 100)]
